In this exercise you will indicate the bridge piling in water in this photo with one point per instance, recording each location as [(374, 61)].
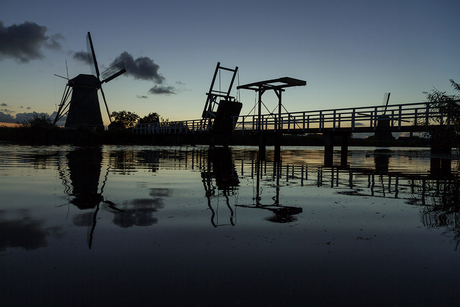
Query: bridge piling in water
[(441, 152), (329, 148)]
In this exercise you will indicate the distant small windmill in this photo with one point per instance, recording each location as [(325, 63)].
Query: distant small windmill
[(83, 107)]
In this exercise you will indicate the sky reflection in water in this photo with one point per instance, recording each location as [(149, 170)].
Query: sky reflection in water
[(190, 226)]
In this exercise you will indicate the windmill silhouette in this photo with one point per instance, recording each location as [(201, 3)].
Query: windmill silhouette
[(83, 107)]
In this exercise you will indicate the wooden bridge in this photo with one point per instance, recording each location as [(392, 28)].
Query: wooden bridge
[(383, 120), (221, 118)]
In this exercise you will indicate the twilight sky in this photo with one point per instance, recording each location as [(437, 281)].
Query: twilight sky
[(349, 52)]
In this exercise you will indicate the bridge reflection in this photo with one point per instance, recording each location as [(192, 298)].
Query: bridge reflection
[(87, 171)]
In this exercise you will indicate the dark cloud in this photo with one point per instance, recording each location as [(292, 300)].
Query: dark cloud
[(28, 108), (3, 105), (22, 117), (162, 90), (82, 56), (6, 111), (24, 42), (6, 118), (53, 42), (142, 68)]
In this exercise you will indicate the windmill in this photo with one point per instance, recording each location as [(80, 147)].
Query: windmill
[(83, 107)]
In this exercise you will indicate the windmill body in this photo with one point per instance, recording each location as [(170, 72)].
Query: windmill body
[(84, 104), (80, 99)]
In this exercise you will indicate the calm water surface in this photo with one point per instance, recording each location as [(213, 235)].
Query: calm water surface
[(189, 226)]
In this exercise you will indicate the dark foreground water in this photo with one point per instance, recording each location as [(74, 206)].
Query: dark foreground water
[(138, 226)]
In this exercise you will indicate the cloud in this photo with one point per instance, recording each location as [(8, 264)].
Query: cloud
[(53, 43), (3, 105), (24, 42), (6, 111), (82, 56), (142, 68), (162, 90), (5, 117)]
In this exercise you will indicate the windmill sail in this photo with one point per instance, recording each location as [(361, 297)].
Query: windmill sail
[(92, 56), (113, 71)]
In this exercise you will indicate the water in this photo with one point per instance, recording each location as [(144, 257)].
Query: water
[(186, 226)]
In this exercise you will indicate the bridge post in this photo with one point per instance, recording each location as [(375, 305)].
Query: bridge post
[(344, 148), (278, 147), (328, 149), (262, 146), (441, 151)]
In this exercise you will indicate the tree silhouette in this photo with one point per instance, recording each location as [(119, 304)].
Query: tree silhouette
[(448, 105), (125, 118), (151, 118)]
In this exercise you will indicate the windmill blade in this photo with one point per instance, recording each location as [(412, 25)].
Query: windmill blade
[(106, 106), (90, 231), (113, 71), (92, 56), (61, 77), (386, 99), (67, 69), (63, 106)]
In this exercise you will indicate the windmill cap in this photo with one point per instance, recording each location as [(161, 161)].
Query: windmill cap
[(85, 80)]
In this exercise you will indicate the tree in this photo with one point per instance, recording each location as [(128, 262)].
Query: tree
[(151, 118), (124, 118), (448, 105)]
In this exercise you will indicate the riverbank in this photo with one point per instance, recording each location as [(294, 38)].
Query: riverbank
[(59, 136)]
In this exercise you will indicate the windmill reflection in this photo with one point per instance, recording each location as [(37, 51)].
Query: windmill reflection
[(282, 214), (82, 184), (221, 168), (85, 165)]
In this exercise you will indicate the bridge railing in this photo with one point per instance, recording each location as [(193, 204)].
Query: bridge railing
[(394, 116), (422, 114), (177, 127)]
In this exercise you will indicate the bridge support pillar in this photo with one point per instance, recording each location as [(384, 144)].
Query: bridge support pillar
[(344, 137), (277, 147), (328, 149), (262, 147), (441, 152)]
